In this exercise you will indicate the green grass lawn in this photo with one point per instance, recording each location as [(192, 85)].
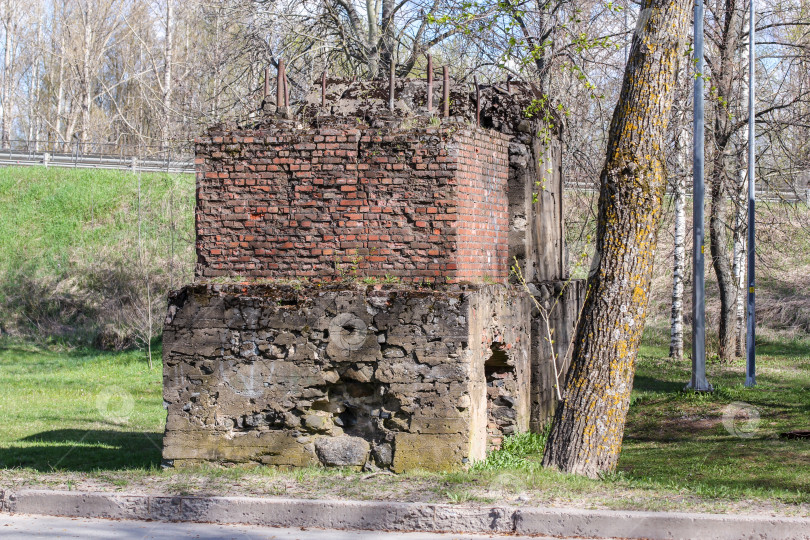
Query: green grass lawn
[(78, 410), (81, 419), (680, 439), (76, 246)]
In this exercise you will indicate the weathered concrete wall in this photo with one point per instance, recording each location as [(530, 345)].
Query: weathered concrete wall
[(423, 204), (500, 324), (387, 376), (536, 235), (548, 234)]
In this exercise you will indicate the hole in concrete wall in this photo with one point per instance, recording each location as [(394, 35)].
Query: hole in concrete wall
[(348, 418), (501, 379), (361, 410), (360, 390)]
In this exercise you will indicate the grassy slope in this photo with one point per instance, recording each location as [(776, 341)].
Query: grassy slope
[(46, 214), (63, 232)]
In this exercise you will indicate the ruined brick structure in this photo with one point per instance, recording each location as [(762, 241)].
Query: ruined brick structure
[(352, 303), (422, 204)]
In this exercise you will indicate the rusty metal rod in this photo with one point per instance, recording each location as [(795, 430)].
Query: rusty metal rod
[(286, 88), (266, 82), (446, 91), (430, 84), (323, 89), (280, 84), (477, 101), (391, 87)]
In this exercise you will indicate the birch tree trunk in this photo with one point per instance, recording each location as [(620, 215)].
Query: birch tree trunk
[(60, 94), (739, 266), (6, 110), (740, 227), (679, 262), (167, 75), (84, 82), (588, 425), (35, 118)]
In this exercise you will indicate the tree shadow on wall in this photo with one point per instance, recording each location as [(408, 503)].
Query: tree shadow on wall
[(78, 450)]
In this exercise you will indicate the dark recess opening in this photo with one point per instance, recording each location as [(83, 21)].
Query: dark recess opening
[(501, 380)]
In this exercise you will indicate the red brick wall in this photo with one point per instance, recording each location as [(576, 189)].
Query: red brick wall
[(338, 202), (482, 248)]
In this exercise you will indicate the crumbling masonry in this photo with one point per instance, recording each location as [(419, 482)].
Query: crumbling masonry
[(353, 303)]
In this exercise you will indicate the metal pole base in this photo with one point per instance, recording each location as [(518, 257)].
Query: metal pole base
[(698, 386), (750, 381)]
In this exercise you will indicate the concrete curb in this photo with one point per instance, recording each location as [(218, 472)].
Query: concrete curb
[(394, 516)]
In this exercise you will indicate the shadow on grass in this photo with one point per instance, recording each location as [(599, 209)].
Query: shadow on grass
[(723, 464), (79, 450), (651, 384), (783, 348)]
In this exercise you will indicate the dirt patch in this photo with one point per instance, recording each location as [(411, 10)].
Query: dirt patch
[(671, 428)]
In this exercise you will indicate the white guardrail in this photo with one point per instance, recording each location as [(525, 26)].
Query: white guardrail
[(97, 161)]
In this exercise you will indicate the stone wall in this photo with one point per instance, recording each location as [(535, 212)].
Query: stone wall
[(380, 376), (422, 204)]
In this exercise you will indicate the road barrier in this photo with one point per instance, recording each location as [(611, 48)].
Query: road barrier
[(98, 156)]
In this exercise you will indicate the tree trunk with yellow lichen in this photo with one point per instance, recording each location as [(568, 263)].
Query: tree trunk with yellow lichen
[(588, 426)]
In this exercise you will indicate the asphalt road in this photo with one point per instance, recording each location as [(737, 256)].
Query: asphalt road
[(25, 527)]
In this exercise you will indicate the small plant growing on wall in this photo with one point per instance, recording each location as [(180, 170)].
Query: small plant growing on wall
[(351, 270), (545, 316)]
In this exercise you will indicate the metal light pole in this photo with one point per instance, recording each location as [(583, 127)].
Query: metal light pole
[(750, 348), (698, 382)]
